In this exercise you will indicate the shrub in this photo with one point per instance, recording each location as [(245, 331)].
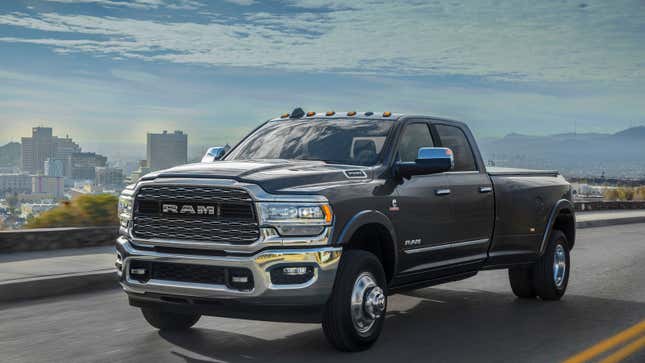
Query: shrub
[(82, 211)]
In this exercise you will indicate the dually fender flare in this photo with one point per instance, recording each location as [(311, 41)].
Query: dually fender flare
[(365, 217), (560, 205)]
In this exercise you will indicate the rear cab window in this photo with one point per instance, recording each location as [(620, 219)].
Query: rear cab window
[(454, 138)]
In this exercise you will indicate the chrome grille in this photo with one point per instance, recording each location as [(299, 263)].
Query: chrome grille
[(168, 193), (235, 221)]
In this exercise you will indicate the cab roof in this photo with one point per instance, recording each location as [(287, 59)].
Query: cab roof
[(340, 115)]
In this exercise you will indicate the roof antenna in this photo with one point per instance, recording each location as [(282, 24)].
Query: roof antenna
[(297, 113)]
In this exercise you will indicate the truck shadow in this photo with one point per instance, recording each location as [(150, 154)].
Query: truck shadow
[(438, 325)]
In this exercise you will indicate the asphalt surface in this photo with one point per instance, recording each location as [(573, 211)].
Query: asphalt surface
[(475, 320)]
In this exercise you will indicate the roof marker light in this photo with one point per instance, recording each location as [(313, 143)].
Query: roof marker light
[(387, 114), (369, 113), (311, 113), (330, 113), (351, 113), (284, 115)]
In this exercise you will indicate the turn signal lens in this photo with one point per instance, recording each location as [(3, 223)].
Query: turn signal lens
[(327, 212)]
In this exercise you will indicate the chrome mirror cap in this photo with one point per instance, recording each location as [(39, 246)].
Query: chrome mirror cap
[(214, 153), (436, 155)]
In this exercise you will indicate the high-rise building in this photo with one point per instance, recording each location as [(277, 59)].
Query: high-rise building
[(81, 165), (42, 145), (48, 185), (36, 149), (109, 177), (166, 150)]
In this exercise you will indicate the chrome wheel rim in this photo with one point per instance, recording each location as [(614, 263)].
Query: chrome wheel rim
[(367, 303), (559, 265)]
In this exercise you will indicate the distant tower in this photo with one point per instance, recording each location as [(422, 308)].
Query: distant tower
[(166, 150)]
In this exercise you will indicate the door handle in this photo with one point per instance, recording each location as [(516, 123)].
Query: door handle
[(442, 191), (485, 189)]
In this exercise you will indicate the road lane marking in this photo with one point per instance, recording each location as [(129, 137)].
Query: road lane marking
[(625, 351), (608, 343)]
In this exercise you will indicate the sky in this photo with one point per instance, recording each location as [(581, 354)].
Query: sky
[(108, 71)]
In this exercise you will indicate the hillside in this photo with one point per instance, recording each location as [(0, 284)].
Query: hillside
[(617, 155), (10, 154)]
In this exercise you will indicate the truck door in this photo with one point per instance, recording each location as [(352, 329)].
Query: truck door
[(421, 214), (471, 195)]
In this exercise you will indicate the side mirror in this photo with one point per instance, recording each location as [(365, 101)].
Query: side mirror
[(430, 160), (214, 153)]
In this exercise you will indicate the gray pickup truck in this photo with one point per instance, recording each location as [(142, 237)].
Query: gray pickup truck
[(321, 216)]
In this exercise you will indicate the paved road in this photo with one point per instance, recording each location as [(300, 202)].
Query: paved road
[(468, 321)]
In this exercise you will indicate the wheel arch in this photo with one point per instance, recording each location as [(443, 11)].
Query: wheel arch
[(363, 228), (562, 218)]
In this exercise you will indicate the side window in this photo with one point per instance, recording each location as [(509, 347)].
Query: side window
[(453, 138), (414, 136)]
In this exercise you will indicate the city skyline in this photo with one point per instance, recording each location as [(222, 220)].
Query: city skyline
[(108, 71)]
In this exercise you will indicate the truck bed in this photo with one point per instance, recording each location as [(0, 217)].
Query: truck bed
[(500, 171)]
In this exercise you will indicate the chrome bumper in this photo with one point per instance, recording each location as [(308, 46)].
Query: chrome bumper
[(316, 291)]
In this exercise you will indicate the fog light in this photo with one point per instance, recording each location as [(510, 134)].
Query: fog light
[(137, 271), (294, 271), (240, 279), (291, 275)]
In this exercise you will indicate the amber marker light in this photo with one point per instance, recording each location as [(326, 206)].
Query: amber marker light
[(330, 113), (284, 115), (310, 113), (351, 113), (387, 114), (327, 211)]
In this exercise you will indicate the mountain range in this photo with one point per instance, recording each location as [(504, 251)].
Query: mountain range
[(621, 154), (10, 155)]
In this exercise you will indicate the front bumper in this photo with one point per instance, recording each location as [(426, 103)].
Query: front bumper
[(314, 292)]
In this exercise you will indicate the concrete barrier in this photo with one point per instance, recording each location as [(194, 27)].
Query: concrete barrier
[(609, 205), (56, 238)]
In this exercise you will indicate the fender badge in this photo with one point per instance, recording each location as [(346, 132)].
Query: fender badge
[(395, 206)]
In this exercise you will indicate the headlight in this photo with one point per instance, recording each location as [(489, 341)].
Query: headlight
[(125, 210), (296, 219)]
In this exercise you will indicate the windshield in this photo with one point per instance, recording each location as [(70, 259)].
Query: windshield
[(340, 141)]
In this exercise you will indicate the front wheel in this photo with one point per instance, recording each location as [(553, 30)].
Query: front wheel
[(164, 320), (355, 313)]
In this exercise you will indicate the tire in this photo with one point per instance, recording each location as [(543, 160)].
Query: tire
[(545, 283), (168, 321), (521, 279), (349, 329)]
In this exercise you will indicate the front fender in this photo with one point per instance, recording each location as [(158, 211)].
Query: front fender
[(366, 217)]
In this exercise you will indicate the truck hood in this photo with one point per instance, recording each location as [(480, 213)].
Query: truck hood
[(271, 175)]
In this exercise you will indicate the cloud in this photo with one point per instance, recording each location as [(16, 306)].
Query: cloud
[(138, 4), (512, 40)]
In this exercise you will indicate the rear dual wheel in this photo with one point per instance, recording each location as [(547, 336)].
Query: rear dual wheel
[(549, 276)]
